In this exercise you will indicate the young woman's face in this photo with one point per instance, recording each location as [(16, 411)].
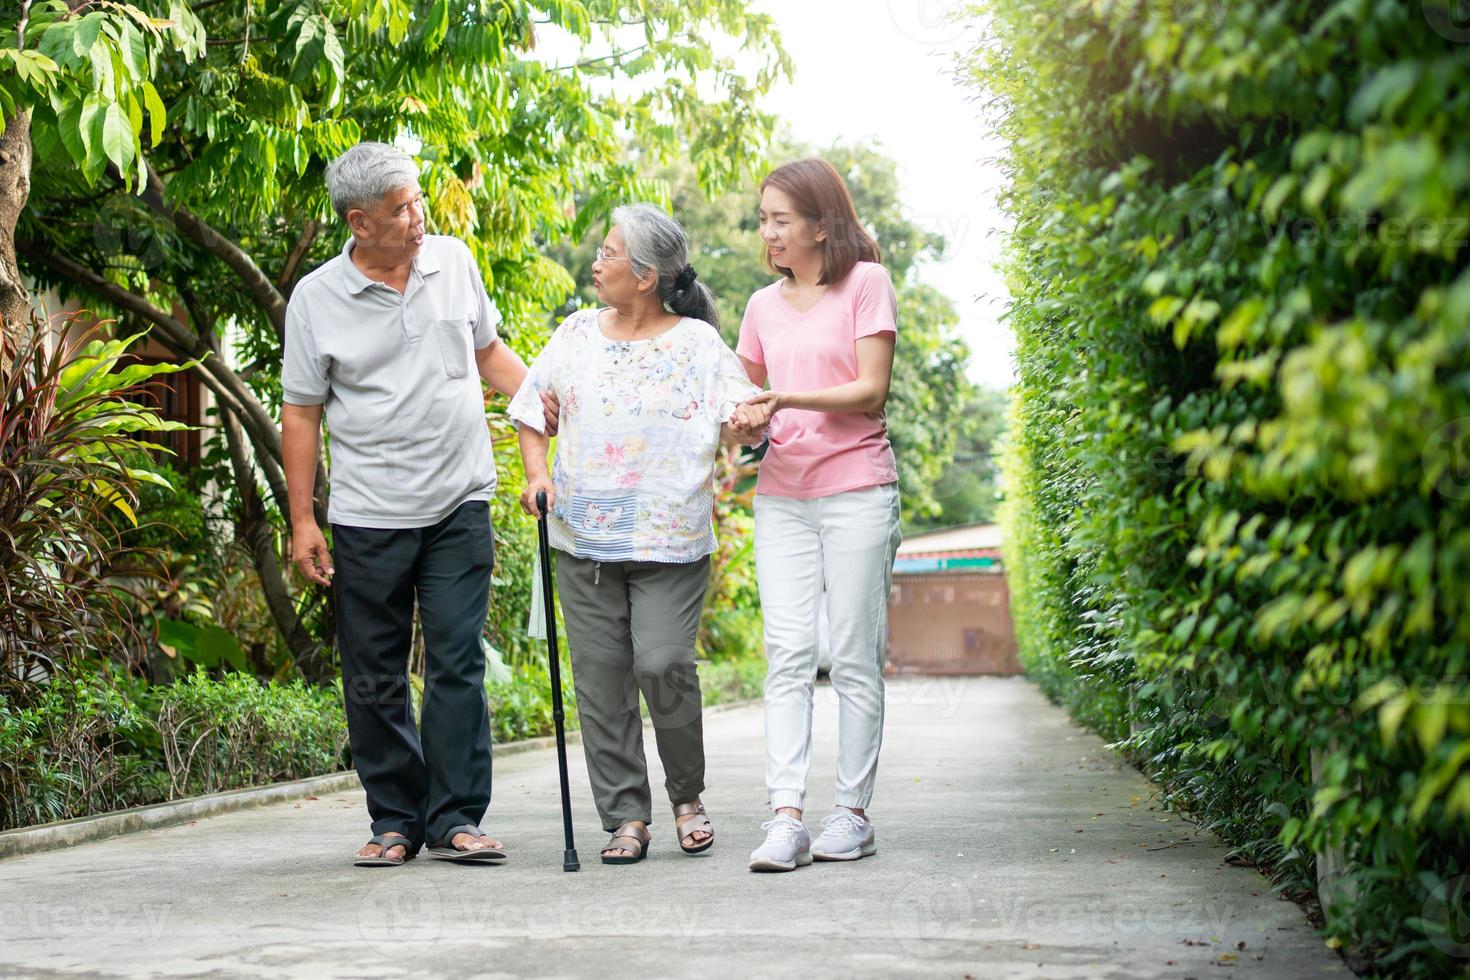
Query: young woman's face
[(789, 238), (612, 273)]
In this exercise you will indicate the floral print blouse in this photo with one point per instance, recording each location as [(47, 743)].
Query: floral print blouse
[(637, 437)]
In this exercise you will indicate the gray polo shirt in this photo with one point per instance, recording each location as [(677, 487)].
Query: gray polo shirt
[(396, 372)]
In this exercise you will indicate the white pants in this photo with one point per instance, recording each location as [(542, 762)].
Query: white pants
[(837, 549)]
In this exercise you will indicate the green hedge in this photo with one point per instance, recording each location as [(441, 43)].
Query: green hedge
[(92, 741), (1238, 525)]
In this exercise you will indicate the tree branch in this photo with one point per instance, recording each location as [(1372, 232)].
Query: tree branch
[(255, 529), (257, 284), (287, 279), (615, 57), (269, 468), (20, 29)]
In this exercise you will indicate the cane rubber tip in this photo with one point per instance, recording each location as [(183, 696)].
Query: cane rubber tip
[(570, 862)]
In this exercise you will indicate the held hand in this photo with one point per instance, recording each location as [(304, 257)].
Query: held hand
[(528, 495), (754, 413), (752, 437), (551, 407), (310, 554), (730, 433)]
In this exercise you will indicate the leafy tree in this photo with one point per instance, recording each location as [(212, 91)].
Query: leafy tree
[(76, 83), (207, 229), (966, 491)]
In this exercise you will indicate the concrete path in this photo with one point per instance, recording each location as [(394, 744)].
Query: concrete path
[(1012, 844)]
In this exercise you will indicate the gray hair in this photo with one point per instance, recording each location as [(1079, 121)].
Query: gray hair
[(364, 175), (656, 243)]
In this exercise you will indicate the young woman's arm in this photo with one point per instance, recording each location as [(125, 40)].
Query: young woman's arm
[(755, 371), (868, 394)]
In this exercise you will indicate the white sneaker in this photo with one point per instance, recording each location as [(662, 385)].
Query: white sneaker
[(788, 846), (845, 837)]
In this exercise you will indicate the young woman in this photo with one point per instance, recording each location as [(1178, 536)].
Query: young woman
[(826, 506), (645, 388)]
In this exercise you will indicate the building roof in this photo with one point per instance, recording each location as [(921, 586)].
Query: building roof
[(970, 537), (972, 547)]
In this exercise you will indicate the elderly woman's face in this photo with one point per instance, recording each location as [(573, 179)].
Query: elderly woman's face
[(396, 223), (612, 273)]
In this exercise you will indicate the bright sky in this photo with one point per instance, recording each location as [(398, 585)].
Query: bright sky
[(880, 71)]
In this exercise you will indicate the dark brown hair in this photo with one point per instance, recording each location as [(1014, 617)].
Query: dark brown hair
[(821, 197)]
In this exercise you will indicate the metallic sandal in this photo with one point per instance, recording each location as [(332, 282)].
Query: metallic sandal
[(698, 820)]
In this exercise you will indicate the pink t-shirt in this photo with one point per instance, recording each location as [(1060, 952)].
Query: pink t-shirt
[(817, 454)]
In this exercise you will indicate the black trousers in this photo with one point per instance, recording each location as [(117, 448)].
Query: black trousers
[(418, 785)]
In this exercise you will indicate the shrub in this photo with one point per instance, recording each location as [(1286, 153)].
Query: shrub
[(1237, 519), (91, 740), (232, 731), (66, 491), (77, 746)]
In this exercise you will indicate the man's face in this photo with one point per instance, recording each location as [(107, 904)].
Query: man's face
[(396, 223)]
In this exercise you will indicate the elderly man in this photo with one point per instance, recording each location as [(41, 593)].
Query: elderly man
[(391, 339)]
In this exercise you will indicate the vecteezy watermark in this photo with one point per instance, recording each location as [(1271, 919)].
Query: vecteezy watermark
[(1446, 459), (1199, 13), (928, 21), (1450, 19), (940, 696), (1203, 222), (409, 910), (396, 911), (1447, 916), (122, 228), (930, 911), (55, 921)]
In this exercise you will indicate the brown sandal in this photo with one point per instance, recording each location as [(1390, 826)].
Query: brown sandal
[(383, 859), (697, 822), (622, 833)]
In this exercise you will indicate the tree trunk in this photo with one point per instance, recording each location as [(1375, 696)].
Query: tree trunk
[(255, 531), (15, 189)]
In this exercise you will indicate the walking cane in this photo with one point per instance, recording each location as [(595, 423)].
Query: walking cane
[(569, 860)]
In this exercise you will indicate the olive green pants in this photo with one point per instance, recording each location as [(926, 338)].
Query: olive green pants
[(631, 627)]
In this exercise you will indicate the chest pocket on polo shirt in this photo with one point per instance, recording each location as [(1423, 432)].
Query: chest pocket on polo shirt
[(453, 334)]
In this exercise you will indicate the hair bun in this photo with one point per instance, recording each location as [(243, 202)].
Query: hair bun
[(686, 278)]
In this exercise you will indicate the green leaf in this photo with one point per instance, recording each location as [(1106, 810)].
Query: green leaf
[(335, 60), (177, 639), (58, 42), (89, 128), (103, 79), (69, 129), (118, 141), (88, 30), (217, 646), (157, 116)]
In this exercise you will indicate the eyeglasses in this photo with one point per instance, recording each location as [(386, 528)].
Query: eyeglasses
[(602, 256)]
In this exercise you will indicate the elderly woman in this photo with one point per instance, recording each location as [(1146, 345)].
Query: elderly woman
[(646, 387)]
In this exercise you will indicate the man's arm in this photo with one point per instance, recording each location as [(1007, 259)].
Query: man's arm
[(503, 370), (501, 367), (301, 427)]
